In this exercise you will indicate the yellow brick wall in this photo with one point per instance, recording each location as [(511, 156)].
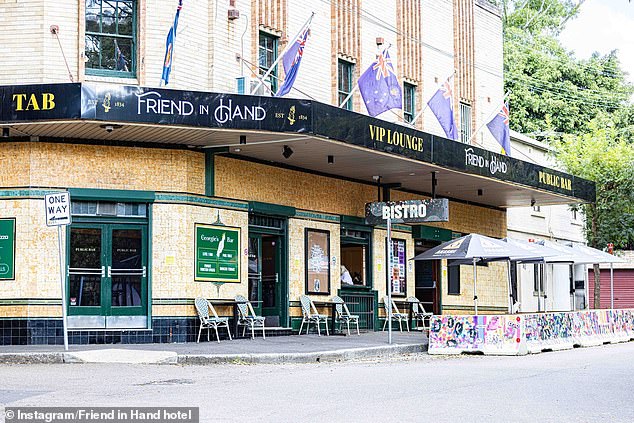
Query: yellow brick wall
[(491, 288), (90, 166), (297, 259), (289, 188), (173, 255), (36, 252), (379, 259)]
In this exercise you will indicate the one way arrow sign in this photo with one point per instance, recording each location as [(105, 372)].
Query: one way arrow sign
[(57, 209)]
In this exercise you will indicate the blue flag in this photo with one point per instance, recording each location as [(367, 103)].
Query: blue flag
[(499, 127), (441, 104), (169, 46), (291, 61), (379, 86)]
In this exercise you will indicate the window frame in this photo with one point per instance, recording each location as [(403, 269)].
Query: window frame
[(409, 112), (134, 43), (263, 35), (466, 112), (341, 90), (453, 272)]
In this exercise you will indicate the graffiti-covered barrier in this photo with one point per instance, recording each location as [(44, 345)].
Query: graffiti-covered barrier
[(528, 333)]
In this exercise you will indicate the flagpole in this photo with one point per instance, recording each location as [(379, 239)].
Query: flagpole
[(427, 103), (489, 118), (268, 72), (345, 100)]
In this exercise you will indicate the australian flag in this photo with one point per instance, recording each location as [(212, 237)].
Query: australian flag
[(441, 104), (291, 61), (379, 86), (499, 127), (169, 46)]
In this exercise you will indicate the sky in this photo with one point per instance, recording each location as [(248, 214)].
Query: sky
[(602, 26)]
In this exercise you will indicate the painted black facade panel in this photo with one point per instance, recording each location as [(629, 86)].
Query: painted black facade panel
[(192, 108), (130, 104)]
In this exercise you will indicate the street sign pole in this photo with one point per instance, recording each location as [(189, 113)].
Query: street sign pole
[(57, 210), (390, 273), (63, 286)]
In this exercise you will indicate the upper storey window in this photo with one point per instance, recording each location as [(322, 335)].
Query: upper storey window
[(111, 37), (267, 55)]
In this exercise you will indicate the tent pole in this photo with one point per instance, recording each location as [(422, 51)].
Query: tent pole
[(510, 286), (544, 276), (572, 290), (475, 296), (612, 286)]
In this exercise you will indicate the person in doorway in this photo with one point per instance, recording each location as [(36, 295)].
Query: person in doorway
[(346, 279)]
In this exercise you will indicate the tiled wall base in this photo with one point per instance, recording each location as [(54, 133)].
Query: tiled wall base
[(49, 332), (164, 330)]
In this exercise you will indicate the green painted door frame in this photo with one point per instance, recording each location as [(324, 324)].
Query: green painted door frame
[(113, 265)]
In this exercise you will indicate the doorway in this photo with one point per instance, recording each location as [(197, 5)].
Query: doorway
[(268, 287), (107, 276), (427, 278)]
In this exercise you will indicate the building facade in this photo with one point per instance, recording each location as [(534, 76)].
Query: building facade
[(560, 223), (202, 191)]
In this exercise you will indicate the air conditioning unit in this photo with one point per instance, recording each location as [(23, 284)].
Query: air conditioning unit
[(233, 14), (246, 84)]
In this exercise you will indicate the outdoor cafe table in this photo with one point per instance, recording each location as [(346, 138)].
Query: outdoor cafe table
[(234, 304), (402, 304), (333, 313)]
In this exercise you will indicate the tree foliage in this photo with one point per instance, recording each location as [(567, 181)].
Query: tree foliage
[(600, 155), (551, 92)]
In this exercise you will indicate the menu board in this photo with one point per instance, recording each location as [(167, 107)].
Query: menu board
[(397, 271), (7, 248), (217, 253), (317, 261)]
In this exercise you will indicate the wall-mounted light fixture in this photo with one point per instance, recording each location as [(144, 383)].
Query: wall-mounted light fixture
[(243, 139), (110, 127), (5, 132), (287, 152), (331, 159), (480, 192)]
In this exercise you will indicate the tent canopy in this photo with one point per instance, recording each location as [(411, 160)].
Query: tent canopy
[(472, 246), (598, 255)]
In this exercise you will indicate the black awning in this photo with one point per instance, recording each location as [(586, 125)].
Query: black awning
[(192, 109)]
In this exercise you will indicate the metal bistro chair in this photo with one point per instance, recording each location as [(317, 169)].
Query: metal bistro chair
[(419, 313), (248, 318), (396, 315), (309, 313), (206, 321), (343, 314)]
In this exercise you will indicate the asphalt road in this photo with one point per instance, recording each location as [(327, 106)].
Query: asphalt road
[(581, 385)]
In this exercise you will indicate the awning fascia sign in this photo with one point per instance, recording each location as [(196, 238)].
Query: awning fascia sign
[(408, 211), (131, 104)]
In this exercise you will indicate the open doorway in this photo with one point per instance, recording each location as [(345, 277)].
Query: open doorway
[(427, 278)]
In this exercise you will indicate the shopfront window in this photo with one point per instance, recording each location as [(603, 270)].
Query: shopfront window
[(355, 258), (453, 274), (111, 37)]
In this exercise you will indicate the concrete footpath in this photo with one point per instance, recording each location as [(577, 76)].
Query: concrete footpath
[(272, 350)]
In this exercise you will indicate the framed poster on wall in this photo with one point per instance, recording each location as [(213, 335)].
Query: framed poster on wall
[(217, 251), (397, 271), (7, 248), (317, 261)]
